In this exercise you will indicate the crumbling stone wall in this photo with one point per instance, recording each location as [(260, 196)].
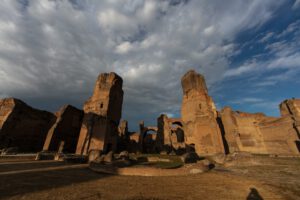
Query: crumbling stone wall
[(279, 136), (65, 130), (163, 140), (99, 130), (291, 108), (257, 133), (147, 140), (242, 132), (170, 134), (199, 116), (23, 126)]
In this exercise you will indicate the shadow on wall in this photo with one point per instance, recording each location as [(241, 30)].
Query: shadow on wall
[(254, 195), (225, 144), (298, 145)]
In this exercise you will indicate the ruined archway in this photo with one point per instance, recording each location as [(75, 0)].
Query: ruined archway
[(148, 139), (177, 129)]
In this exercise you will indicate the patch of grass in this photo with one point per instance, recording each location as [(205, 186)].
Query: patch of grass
[(175, 161)]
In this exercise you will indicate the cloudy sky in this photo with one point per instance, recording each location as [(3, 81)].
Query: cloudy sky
[(249, 51)]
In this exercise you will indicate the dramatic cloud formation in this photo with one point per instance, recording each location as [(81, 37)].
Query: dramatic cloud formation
[(52, 51)]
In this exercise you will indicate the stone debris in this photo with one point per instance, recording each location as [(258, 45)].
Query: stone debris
[(94, 154), (109, 157)]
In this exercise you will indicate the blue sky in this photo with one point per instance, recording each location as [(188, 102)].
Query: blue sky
[(52, 51), (275, 44)]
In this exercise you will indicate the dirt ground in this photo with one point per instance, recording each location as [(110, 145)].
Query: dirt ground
[(279, 178)]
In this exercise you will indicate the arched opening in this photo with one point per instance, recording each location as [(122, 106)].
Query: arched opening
[(176, 124), (180, 134), (177, 132), (191, 147), (149, 138)]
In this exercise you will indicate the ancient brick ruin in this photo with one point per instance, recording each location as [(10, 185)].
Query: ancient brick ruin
[(201, 128), (65, 131), (102, 114), (22, 126), (257, 133), (170, 134), (199, 115)]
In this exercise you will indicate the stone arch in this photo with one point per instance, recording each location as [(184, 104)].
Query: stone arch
[(180, 134), (177, 131), (148, 139), (178, 123)]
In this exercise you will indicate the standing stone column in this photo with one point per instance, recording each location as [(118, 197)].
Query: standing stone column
[(199, 116), (99, 130)]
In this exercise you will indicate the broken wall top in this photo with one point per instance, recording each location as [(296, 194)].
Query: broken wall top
[(23, 126), (106, 82), (290, 107), (193, 81), (107, 97), (9, 105)]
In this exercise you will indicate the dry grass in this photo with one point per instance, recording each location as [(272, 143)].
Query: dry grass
[(280, 180)]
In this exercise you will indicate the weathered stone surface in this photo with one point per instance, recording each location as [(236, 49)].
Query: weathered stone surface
[(170, 134), (281, 135), (199, 115), (123, 129), (23, 126), (147, 138), (99, 130), (65, 131), (257, 133), (291, 108), (163, 140), (242, 131), (107, 97)]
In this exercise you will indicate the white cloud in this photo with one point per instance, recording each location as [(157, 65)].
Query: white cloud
[(209, 30), (247, 100), (124, 47), (250, 66), (296, 5), (266, 37)]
